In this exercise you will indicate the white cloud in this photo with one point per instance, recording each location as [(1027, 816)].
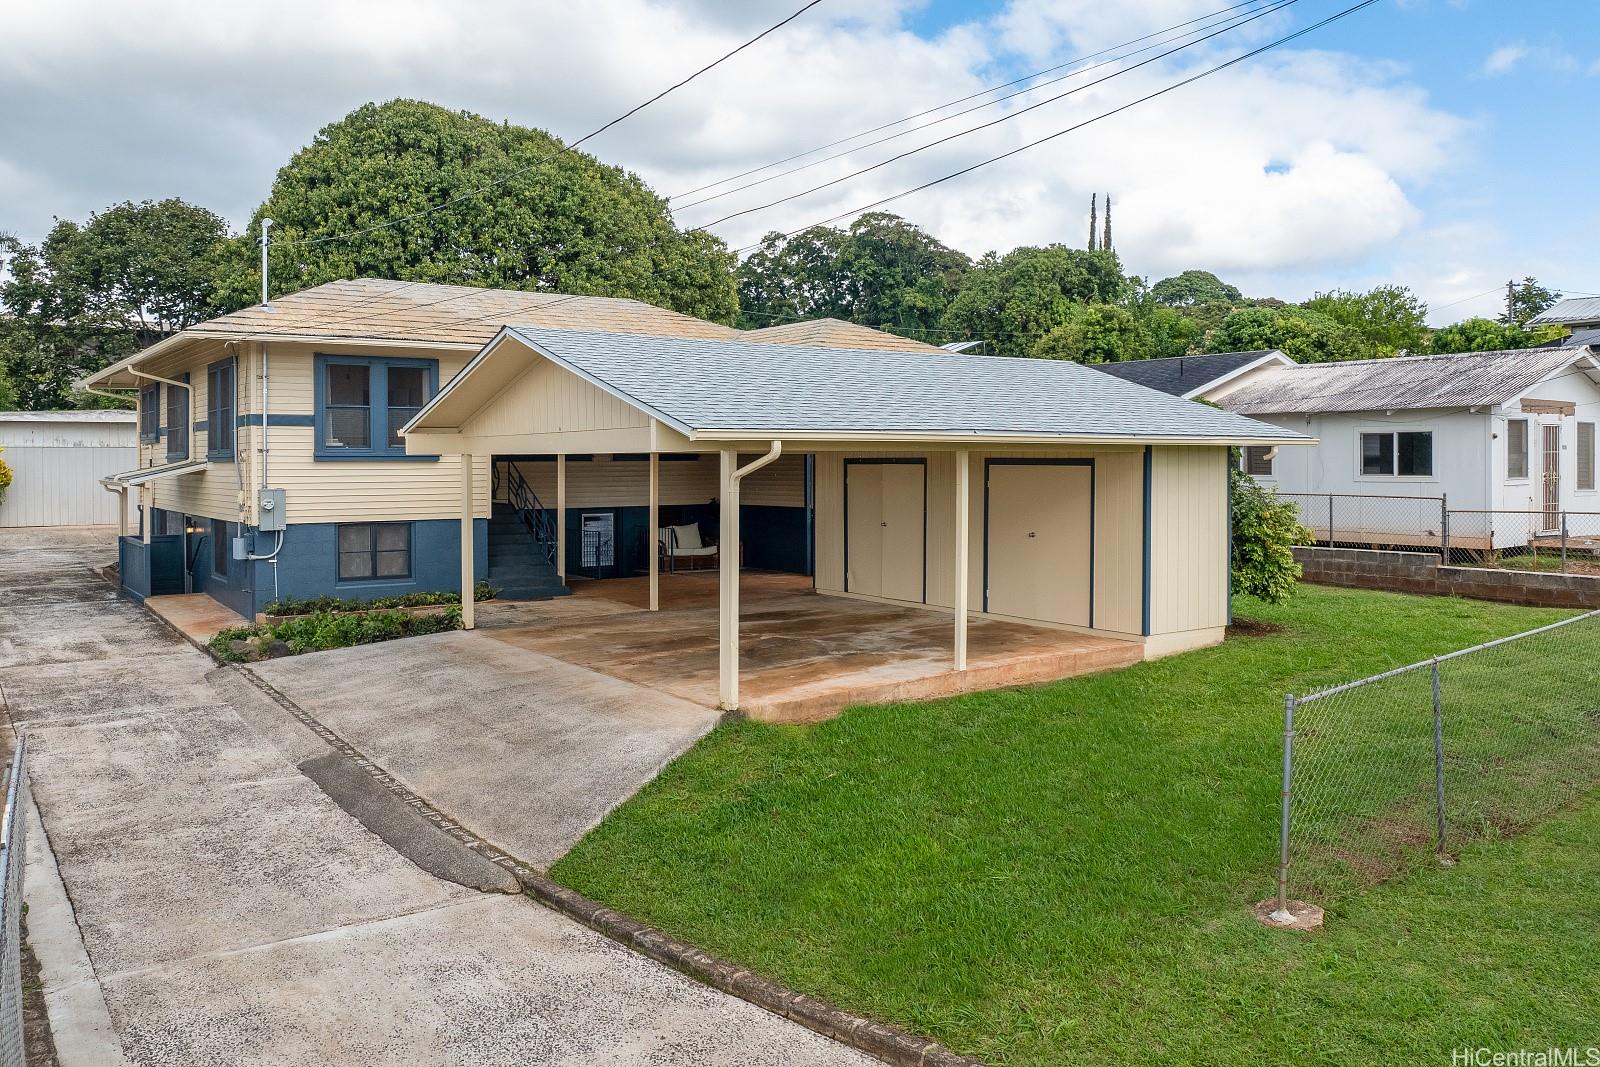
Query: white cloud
[(1295, 165), (1503, 60)]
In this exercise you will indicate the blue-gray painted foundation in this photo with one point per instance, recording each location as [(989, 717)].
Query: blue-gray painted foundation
[(306, 566)]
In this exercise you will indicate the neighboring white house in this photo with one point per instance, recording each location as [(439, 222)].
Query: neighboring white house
[(57, 459)]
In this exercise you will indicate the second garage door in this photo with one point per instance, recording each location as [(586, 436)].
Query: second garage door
[(1038, 540), (885, 528)]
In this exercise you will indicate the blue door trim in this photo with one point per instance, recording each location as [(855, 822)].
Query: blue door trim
[(989, 463), (846, 493), (1144, 611)]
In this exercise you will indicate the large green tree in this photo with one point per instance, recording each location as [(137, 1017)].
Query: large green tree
[(413, 191), (1302, 335), (1095, 333), (1525, 299), (1012, 301), (883, 271), (1488, 335), (1194, 288), (95, 292), (1389, 319)]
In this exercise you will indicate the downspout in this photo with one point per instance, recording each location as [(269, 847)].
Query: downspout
[(122, 493), (756, 464), (187, 388)]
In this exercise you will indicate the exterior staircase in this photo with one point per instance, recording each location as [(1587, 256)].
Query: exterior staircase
[(522, 543)]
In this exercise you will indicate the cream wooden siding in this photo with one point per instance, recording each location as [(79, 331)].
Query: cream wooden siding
[(781, 483), (605, 482), (549, 400), (1188, 539), (1119, 528), (315, 490)]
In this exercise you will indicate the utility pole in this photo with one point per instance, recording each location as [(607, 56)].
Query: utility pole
[(1094, 217), (1511, 302)]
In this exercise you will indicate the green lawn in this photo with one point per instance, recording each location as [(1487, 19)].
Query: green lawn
[(1064, 872)]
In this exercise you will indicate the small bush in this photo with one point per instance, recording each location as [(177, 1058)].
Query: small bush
[(5, 478), (1265, 531), (312, 605), (323, 630)]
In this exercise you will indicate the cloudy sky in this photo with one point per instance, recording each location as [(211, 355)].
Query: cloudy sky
[(1443, 144)]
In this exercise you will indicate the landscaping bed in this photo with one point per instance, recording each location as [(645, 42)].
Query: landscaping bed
[(322, 630), (289, 607), (1063, 873)]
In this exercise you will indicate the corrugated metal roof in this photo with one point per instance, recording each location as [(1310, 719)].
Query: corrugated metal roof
[(833, 333), (1180, 375), (765, 388), (1470, 379), (90, 415), (1572, 310)]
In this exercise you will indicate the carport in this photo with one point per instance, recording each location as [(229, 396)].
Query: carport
[(1021, 491)]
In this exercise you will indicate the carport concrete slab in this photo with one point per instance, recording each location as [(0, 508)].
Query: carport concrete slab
[(528, 751)]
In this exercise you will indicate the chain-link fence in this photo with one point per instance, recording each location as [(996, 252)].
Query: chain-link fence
[(1356, 520), (12, 828), (1421, 760), (1538, 540)]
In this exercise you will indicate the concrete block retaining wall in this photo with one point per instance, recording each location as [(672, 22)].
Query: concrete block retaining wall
[(1421, 572)]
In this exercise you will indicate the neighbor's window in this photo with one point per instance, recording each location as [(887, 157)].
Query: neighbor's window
[(1585, 455), (1258, 460), (374, 550), (1404, 454), (221, 547), (1517, 448), (150, 413), (363, 403), (178, 421), (219, 410)]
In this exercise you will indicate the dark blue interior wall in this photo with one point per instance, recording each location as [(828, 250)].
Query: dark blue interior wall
[(308, 565), (774, 538), (155, 569)]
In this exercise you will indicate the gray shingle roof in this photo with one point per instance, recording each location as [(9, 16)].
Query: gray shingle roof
[(702, 384), (1572, 310), (1470, 379), (1181, 374)]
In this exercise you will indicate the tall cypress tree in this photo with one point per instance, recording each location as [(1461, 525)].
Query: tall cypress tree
[(1094, 217), (1105, 242)]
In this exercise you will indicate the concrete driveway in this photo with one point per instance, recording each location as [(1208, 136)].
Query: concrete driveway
[(232, 912), (528, 751)]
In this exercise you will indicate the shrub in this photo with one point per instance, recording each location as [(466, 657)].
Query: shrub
[(311, 605), (1265, 531), (323, 630), (5, 478)]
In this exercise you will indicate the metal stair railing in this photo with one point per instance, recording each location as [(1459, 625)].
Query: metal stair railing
[(537, 519)]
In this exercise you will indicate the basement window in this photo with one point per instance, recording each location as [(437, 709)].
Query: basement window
[(371, 551)]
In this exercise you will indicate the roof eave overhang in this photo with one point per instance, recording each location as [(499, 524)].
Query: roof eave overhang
[(967, 439), (1275, 356)]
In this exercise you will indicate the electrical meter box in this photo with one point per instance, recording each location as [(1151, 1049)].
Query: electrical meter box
[(270, 518)]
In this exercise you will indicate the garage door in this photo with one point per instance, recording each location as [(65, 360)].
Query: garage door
[(1038, 530), (885, 528)]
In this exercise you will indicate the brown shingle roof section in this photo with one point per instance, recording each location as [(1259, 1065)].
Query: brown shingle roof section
[(383, 310), (834, 333)]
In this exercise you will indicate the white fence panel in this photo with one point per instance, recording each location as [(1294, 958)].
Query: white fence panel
[(59, 485)]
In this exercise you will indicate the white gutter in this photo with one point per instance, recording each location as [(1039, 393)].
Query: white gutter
[(754, 465)]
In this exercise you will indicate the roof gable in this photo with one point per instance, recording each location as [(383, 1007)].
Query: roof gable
[(733, 387), (1189, 376)]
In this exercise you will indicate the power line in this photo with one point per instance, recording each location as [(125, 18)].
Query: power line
[(563, 150), (995, 122), (910, 118), (1078, 126)]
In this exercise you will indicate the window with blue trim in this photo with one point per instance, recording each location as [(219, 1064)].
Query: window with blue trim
[(374, 551), (219, 410), (362, 403), (150, 413), (178, 421)]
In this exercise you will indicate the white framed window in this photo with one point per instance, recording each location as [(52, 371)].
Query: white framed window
[(1585, 456), (1517, 448), (1258, 461), (1397, 454)]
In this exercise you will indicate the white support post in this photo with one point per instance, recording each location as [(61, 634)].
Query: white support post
[(653, 538), (147, 496), (728, 583), (122, 512), (468, 570), (561, 516), (963, 532)]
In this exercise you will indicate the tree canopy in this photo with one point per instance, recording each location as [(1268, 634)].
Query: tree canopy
[(1194, 288), (92, 293), (1302, 335), (1389, 319), (1014, 300), (883, 271), (429, 194)]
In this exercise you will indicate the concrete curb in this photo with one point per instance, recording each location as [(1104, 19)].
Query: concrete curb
[(887, 1043)]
